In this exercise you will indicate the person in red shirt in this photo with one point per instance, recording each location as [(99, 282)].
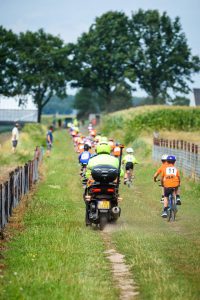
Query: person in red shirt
[(159, 171), (170, 178)]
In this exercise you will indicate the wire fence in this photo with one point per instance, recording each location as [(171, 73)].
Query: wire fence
[(187, 155), (19, 184)]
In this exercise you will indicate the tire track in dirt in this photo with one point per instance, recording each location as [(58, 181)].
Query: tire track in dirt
[(121, 272)]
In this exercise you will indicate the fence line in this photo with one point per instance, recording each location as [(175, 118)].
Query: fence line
[(19, 183), (187, 155)]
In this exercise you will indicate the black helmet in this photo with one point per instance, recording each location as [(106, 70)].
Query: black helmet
[(86, 147)]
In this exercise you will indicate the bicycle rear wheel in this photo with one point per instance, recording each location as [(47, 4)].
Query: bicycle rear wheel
[(174, 209), (169, 214)]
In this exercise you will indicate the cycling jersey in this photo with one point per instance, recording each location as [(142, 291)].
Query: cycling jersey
[(116, 151), (112, 145), (84, 157), (130, 158), (159, 171), (80, 148), (170, 176)]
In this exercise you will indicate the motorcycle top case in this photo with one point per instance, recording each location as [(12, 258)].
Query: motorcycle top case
[(104, 173)]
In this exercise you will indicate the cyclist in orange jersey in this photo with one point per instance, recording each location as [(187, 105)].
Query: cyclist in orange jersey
[(159, 171), (93, 132), (80, 147), (112, 144), (116, 150), (170, 179)]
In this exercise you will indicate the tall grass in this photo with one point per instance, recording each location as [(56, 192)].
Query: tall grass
[(31, 135)]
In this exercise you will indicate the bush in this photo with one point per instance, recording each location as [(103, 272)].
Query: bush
[(37, 133)]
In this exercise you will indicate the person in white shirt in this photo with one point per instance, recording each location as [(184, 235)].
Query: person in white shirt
[(15, 137)]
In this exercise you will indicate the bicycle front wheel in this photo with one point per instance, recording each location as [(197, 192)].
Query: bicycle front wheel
[(169, 214)]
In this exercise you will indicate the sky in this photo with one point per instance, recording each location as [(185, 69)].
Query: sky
[(70, 18)]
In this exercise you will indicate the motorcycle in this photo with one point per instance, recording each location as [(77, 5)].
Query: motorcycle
[(102, 196)]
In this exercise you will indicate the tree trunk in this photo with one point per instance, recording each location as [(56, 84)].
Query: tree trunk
[(39, 113)]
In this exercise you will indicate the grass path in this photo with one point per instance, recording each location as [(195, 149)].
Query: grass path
[(164, 257), (56, 256)]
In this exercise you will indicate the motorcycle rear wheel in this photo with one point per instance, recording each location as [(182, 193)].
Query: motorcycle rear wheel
[(102, 221)]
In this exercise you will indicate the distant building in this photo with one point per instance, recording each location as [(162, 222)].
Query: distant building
[(10, 111), (197, 97)]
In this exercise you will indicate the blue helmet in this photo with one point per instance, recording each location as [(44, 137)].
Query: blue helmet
[(171, 158)]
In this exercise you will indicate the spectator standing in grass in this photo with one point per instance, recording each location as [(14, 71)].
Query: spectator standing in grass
[(49, 140), (15, 137)]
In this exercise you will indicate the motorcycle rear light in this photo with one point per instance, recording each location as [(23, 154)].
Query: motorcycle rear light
[(96, 190), (110, 190)]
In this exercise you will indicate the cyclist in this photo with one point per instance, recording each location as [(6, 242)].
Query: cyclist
[(159, 171), (93, 133), (116, 150), (129, 161), (84, 158), (112, 144), (85, 155), (170, 179)]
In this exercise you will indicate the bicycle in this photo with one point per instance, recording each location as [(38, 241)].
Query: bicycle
[(130, 177), (172, 208)]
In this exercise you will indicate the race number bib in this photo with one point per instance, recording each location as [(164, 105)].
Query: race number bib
[(171, 171)]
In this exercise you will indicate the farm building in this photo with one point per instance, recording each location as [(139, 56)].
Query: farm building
[(10, 111)]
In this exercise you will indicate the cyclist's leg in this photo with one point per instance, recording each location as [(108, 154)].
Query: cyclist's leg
[(166, 197), (162, 196), (178, 199), (126, 173)]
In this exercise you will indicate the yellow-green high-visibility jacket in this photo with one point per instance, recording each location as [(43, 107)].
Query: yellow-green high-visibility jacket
[(102, 159)]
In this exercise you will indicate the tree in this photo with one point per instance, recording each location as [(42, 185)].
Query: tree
[(121, 99), (101, 55), (8, 62), (88, 101), (44, 67), (163, 61)]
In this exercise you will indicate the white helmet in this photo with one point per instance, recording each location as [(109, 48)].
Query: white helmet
[(164, 157), (129, 150)]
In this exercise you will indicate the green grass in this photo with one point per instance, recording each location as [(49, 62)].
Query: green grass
[(30, 136), (56, 256), (164, 257)]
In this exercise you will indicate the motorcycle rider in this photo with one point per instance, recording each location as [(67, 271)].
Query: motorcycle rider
[(102, 157)]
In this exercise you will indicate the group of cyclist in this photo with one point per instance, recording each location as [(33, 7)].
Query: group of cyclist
[(95, 149), (170, 181)]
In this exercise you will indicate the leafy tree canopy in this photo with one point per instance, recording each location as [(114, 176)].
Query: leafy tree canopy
[(8, 62), (102, 55), (163, 60), (44, 67)]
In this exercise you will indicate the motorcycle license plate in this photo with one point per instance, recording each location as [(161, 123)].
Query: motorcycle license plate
[(103, 204)]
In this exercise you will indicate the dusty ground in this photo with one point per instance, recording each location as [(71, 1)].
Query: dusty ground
[(121, 273)]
